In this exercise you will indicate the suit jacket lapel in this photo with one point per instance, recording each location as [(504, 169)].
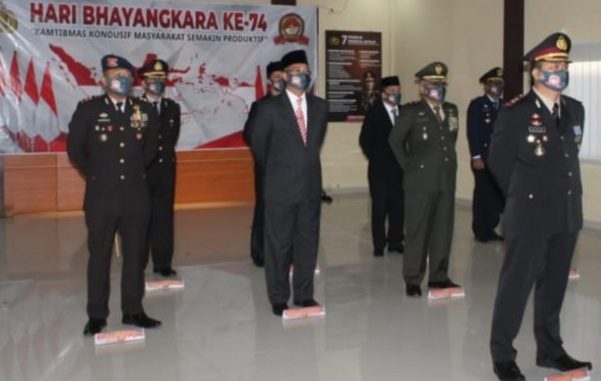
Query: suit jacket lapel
[(564, 121), (385, 115), (430, 112)]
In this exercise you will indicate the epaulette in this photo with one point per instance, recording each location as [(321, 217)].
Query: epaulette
[(515, 101), (141, 99), (90, 98)]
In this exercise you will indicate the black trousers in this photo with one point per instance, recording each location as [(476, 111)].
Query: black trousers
[(429, 227), (387, 198), (132, 228), (291, 238), (534, 260), (487, 204), (161, 184), (256, 235)]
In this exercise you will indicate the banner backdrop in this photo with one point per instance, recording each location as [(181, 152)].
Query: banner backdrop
[(50, 59)]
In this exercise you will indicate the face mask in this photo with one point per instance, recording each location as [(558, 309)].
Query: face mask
[(393, 99), (120, 85), (278, 85), (555, 80), (299, 80), (436, 92), (156, 86), (496, 90)]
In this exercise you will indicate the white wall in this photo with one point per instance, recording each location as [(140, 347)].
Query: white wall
[(468, 36)]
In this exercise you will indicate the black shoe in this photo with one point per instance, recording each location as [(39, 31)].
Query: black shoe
[(259, 262), (414, 290), (496, 237), (508, 371), (165, 271), (279, 308), (94, 326), (307, 303), (445, 284), (378, 253), (564, 363), (326, 198), (140, 320), (396, 249)]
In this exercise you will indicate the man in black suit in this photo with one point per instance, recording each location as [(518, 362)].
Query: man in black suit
[(277, 84), (384, 174), (487, 203), (112, 140), (534, 157), (161, 174), (287, 132)]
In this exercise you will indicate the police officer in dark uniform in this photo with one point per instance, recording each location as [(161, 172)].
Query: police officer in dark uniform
[(534, 157), (161, 174), (423, 141), (384, 173), (487, 203), (277, 84), (112, 140)]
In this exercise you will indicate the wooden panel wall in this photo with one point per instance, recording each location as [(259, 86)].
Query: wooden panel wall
[(49, 183)]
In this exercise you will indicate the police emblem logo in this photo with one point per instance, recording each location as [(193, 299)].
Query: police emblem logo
[(291, 30), (334, 40), (562, 44), (438, 69)]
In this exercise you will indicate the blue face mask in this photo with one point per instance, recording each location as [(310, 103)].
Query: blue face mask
[(278, 85), (120, 85), (301, 81), (555, 80), (436, 92), (156, 86), (393, 99)]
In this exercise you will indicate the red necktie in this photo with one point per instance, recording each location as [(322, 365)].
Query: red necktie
[(300, 119)]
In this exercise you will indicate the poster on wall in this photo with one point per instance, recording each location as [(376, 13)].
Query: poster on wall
[(353, 71), (50, 59)]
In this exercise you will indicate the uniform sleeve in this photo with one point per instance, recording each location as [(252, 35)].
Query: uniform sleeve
[(259, 129), (503, 149), (151, 145), (473, 124), (77, 139), (398, 137), (366, 137), (246, 130), (177, 123)]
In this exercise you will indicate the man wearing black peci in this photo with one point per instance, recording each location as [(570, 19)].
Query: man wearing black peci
[(286, 135), (384, 174)]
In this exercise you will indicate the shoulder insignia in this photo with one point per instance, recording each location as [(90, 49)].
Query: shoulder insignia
[(514, 101), (89, 98)]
